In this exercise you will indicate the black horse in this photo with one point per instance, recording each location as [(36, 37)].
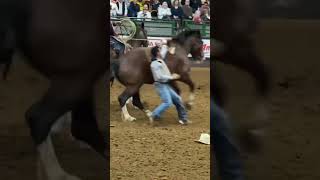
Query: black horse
[(66, 42)]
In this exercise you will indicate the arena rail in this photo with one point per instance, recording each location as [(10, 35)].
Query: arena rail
[(168, 28)]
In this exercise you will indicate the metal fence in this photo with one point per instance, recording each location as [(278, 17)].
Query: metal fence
[(168, 28)]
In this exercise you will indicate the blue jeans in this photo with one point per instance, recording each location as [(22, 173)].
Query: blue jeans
[(169, 97), (225, 151)]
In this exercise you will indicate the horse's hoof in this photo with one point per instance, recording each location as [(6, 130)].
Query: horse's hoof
[(130, 119), (148, 112), (188, 106)]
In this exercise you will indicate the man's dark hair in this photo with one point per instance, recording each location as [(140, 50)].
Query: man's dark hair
[(154, 52)]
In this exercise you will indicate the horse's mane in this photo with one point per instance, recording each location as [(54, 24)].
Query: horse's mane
[(182, 36)]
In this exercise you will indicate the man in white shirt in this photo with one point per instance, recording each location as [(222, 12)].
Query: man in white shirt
[(169, 97)]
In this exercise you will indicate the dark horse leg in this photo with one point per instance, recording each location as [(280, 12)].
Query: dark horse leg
[(63, 95), (217, 86), (185, 78), (175, 87), (136, 101), (130, 91), (84, 125)]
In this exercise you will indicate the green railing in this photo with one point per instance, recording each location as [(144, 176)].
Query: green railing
[(170, 28), (204, 28)]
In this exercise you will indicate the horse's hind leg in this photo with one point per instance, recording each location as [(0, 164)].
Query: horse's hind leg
[(84, 125), (124, 96), (60, 98)]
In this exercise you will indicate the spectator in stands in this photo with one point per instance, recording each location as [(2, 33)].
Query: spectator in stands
[(169, 4), (195, 4), (140, 3), (197, 17), (113, 8), (133, 9), (145, 13), (176, 10), (164, 12), (127, 2), (154, 8), (187, 10), (122, 8), (205, 14)]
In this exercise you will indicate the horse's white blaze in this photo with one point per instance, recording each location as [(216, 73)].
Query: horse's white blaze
[(125, 114), (49, 161), (164, 51)]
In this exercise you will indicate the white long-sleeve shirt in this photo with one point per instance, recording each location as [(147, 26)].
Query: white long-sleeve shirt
[(160, 71), (163, 12), (146, 15)]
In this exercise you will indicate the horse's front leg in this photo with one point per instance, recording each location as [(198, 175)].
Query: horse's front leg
[(185, 78), (42, 116), (84, 126), (123, 98)]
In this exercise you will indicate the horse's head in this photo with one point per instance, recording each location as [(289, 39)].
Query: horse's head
[(192, 42)]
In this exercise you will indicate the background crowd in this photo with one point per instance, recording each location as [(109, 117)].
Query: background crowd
[(196, 10)]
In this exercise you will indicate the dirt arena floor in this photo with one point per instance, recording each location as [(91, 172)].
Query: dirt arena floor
[(17, 154), (142, 152), (291, 48)]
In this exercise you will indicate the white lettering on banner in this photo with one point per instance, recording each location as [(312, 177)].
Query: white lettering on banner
[(206, 44)]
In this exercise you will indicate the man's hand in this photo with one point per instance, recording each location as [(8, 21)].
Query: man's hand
[(175, 76)]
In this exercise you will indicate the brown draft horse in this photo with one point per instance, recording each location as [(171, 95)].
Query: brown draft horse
[(133, 69), (66, 42)]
